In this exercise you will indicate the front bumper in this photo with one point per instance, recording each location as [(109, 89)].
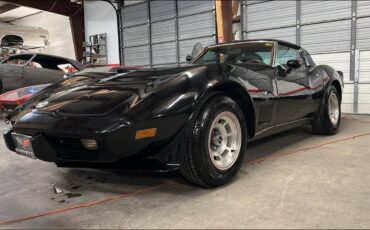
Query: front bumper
[(59, 140)]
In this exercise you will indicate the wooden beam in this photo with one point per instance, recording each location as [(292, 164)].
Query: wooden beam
[(7, 7), (224, 20)]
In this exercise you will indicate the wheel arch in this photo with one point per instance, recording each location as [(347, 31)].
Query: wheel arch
[(240, 95), (338, 87)]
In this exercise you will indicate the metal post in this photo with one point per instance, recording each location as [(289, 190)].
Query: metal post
[(242, 20), (354, 57), (177, 34), (298, 22), (149, 35), (353, 40)]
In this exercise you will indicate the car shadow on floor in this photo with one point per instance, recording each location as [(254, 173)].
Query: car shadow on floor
[(116, 181)]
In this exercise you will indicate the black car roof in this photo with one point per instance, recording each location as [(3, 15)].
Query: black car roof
[(258, 40)]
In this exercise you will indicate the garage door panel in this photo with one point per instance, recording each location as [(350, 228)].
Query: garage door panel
[(135, 36), (194, 7), (364, 108), (363, 33), (364, 67), (163, 31), (339, 61), (186, 47), (160, 10), (199, 25), (347, 108), (164, 53), (267, 15), (286, 34), (134, 15), (363, 8), (327, 37), (318, 11), (137, 56)]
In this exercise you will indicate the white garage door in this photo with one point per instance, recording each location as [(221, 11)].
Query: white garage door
[(326, 30)]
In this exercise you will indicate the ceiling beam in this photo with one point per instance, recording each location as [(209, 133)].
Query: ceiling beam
[(63, 7), (7, 7)]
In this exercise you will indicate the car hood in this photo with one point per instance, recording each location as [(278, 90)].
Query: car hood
[(99, 94)]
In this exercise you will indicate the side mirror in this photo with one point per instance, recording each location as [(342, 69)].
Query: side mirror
[(293, 64), (189, 58)]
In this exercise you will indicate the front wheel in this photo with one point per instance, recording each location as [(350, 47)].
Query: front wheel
[(216, 144), (327, 121)]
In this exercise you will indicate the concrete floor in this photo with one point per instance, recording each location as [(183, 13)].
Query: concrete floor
[(299, 180)]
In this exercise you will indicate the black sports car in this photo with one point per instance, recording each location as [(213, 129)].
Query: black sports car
[(197, 118)]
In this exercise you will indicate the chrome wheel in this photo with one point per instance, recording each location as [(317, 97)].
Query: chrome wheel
[(333, 108), (224, 140)]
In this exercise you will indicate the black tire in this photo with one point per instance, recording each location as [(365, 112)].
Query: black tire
[(322, 123), (196, 165)]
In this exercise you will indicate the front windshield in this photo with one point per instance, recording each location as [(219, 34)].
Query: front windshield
[(243, 53)]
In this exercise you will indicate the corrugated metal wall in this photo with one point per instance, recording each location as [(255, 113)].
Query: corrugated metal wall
[(334, 32), (162, 33)]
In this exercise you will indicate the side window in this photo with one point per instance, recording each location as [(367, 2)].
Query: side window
[(286, 53)]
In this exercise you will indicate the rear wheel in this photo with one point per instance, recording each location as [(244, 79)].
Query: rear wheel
[(327, 121), (216, 143)]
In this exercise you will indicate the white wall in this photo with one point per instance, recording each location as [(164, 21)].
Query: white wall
[(100, 17), (60, 34)]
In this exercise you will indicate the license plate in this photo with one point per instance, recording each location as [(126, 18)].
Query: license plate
[(23, 145)]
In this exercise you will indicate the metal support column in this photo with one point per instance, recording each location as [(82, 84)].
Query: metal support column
[(354, 61), (150, 35), (298, 22), (177, 34), (242, 5)]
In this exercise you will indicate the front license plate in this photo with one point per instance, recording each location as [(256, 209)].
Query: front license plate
[(23, 145)]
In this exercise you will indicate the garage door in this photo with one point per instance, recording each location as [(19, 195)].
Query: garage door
[(162, 33), (326, 29)]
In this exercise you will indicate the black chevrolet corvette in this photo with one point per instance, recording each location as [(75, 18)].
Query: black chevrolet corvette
[(196, 118)]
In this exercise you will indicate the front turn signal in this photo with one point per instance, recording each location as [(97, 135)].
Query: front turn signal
[(145, 133)]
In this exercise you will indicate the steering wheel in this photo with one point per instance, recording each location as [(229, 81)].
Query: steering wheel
[(254, 61)]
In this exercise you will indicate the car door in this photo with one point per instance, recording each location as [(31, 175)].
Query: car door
[(294, 90), (258, 74), (11, 76), (35, 73)]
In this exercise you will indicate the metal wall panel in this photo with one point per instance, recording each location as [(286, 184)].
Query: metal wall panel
[(363, 33), (134, 36), (267, 15), (163, 31), (364, 67), (186, 46), (286, 34), (160, 10), (319, 11), (193, 7), (134, 15), (364, 98), (363, 8), (164, 53), (199, 25), (159, 33), (327, 37), (339, 61), (137, 56), (250, 2)]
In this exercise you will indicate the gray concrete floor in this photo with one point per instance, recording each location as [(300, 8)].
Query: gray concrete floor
[(299, 180)]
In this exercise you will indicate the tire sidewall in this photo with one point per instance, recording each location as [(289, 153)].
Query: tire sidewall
[(208, 172), (325, 114)]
